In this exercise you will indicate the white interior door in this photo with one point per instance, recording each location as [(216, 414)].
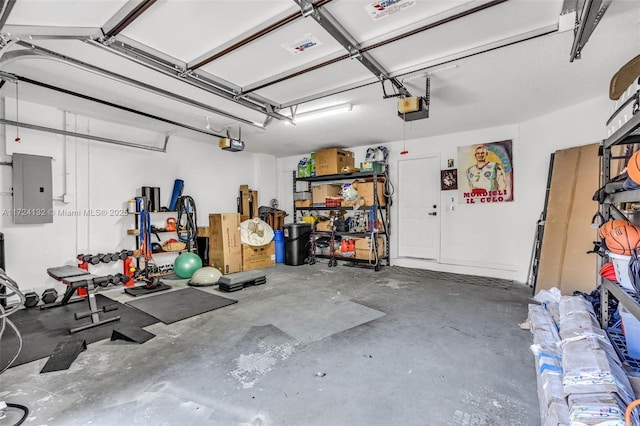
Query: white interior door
[(419, 208)]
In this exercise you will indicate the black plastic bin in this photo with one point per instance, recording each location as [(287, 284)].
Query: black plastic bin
[(296, 241)]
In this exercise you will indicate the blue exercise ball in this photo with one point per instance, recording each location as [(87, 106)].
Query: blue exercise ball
[(186, 264)]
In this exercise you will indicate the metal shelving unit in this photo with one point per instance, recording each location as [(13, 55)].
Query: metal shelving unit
[(629, 133), (139, 261), (382, 211)]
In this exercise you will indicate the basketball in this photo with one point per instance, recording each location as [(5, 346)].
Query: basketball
[(606, 227), (623, 239), (633, 167)]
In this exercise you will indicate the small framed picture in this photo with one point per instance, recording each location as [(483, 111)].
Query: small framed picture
[(450, 163), (448, 179)]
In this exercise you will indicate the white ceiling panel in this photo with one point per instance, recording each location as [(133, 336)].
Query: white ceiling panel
[(70, 13), (340, 74), (483, 28), (356, 15), (259, 61), (187, 29)]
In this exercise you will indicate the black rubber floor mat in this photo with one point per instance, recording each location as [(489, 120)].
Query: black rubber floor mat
[(132, 334), (63, 355), (180, 304), (43, 330), (142, 290)]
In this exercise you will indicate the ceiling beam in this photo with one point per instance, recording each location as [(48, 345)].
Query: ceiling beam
[(348, 42), (189, 77), (588, 19), (48, 32), (132, 15), (7, 7)]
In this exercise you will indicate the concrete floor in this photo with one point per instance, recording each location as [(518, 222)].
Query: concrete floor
[(313, 346)]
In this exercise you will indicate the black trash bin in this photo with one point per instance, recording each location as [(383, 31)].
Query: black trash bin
[(296, 241)]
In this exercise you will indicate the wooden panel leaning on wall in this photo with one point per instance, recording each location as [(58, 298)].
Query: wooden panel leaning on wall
[(568, 235)]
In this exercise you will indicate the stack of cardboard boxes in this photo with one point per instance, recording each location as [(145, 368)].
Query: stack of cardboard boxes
[(333, 161), (226, 251)]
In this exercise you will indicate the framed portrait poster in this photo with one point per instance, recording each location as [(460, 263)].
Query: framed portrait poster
[(486, 173)]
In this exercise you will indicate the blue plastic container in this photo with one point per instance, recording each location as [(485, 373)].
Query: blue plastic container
[(278, 237), (177, 192)]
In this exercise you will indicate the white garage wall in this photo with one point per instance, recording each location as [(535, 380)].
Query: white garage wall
[(492, 240), (101, 176), (98, 176)]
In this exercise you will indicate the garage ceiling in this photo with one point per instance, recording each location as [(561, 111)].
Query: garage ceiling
[(205, 68)]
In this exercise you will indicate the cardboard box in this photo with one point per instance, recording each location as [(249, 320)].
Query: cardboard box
[(302, 195), (256, 257), (321, 192), (409, 104), (303, 203), (331, 161), (225, 251), (365, 189), (372, 166), (363, 248), (323, 225)]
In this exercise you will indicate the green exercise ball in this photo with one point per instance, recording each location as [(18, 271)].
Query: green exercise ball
[(186, 264)]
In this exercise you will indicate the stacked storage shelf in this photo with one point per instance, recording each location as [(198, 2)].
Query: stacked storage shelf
[(627, 134), (378, 200)]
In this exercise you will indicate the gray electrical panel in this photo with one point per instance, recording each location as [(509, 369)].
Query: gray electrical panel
[(32, 189)]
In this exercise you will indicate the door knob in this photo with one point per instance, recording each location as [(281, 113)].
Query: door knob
[(435, 207), (433, 214)]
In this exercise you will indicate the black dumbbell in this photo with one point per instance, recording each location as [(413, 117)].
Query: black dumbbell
[(86, 314), (95, 259), (120, 279), (31, 299), (101, 281), (125, 254), (106, 258), (115, 257), (84, 257), (49, 295)]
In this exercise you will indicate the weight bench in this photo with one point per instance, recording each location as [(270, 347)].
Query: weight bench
[(75, 278)]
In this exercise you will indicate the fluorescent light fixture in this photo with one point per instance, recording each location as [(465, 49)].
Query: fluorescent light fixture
[(322, 112)]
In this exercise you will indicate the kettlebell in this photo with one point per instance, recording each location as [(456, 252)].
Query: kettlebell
[(171, 224), (156, 248)]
